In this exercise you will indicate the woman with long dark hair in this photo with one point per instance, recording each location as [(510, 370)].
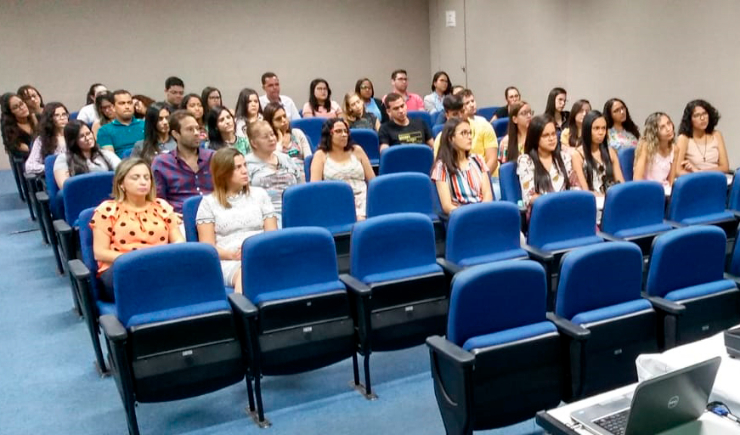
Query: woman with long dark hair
[(543, 168), (622, 130), (248, 110), (290, 141), (512, 145), (364, 88), (17, 125), (157, 137), (555, 107), (105, 108), (32, 97), (87, 113), (701, 146), (570, 137), (83, 154), (211, 97), (50, 140), (595, 163), (319, 103), (194, 106), (441, 86), (222, 131)]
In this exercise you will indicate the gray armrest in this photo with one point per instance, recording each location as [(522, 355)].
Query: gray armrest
[(666, 305), (609, 237), (569, 328), (450, 351), (733, 278), (112, 328), (78, 270), (42, 196), (61, 226), (355, 285), (449, 267), (244, 306), (674, 224), (538, 254)]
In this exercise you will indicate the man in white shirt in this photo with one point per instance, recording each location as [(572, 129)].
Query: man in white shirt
[(271, 85)]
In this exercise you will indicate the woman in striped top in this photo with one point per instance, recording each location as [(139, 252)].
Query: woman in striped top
[(461, 177)]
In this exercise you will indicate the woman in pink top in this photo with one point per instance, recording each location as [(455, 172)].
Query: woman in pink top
[(320, 104), (700, 146), (655, 151)]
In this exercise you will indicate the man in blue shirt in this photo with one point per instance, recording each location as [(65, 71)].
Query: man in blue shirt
[(122, 133)]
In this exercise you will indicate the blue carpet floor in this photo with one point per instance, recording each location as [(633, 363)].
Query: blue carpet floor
[(48, 384)]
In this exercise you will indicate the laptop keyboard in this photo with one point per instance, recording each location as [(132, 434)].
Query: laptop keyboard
[(615, 423)]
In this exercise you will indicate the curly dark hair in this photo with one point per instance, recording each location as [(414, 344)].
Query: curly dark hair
[(47, 129), (628, 123), (11, 132), (687, 129), (326, 129)]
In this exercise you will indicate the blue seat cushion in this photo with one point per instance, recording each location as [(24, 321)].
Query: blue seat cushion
[(643, 230), (490, 258), (229, 290), (297, 292), (700, 290), (709, 218), (177, 313), (611, 312), (106, 308), (338, 229), (397, 274), (509, 335), (571, 243)]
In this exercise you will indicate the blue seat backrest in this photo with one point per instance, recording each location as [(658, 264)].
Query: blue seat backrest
[(55, 203), (486, 112), (698, 194), (311, 127), (307, 167), (423, 115), (627, 161), (481, 229), (368, 140), (735, 260), (407, 158), (83, 191), (686, 257), (501, 126), (322, 204), (632, 205), (437, 117), (495, 297), (391, 242), (86, 249), (734, 203), (73, 116), (126, 153), (437, 129), (511, 190), (189, 212), (599, 276), (401, 192), (562, 216)]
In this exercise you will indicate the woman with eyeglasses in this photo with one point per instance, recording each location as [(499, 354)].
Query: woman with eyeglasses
[(211, 97), (461, 177), (570, 138), (543, 168), (594, 161), (622, 131), (700, 146), (337, 158), (320, 104), (32, 97), (290, 141), (654, 155), (441, 87), (50, 140), (17, 125), (512, 145), (105, 107), (83, 154), (364, 88)]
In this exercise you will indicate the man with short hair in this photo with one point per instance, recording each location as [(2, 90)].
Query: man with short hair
[(512, 96), (400, 129), (485, 143), (400, 83), (122, 133), (453, 105), (183, 172), (174, 90), (271, 86)]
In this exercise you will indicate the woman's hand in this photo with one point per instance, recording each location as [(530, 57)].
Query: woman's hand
[(236, 255), (687, 166)]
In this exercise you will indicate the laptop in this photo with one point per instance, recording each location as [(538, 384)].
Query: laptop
[(656, 405)]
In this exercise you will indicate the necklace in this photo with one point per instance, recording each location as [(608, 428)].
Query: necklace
[(703, 153)]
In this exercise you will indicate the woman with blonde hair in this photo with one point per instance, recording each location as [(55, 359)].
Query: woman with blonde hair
[(654, 157), (134, 219), (233, 212), (356, 115)]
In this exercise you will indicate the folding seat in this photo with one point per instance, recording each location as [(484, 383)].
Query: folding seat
[(311, 127), (603, 317), (407, 158), (687, 286), (49, 206), (733, 200), (511, 189), (16, 166), (502, 360), (173, 334), (486, 112), (189, 212), (307, 167), (328, 204), (501, 126), (399, 292), (423, 115), (299, 316), (635, 212), (626, 158), (368, 140), (437, 129)]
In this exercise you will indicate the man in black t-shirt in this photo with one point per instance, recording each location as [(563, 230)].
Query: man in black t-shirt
[(400, 129)]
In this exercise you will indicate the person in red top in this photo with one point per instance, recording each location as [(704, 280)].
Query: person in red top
[(134, 219), (400, 83)]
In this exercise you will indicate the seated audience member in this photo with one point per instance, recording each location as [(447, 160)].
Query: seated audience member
[(400, 82), (232, 213), (83, 154), (17, 124), (122, 133), (555, 107), (222, 131), (248, 109), (356, 115), (141, 103), (134, 219), (454, 109), (400, 129), (654, 155), (32, 97), (461, 176), (87, 113), (337, 158), (183, 172), (157, 137), (194, 106), (105, 109), (211, 97), (511, 94), (290, 141), (594, 162), (700, 146), (441, 87), (364, 88), (457, 89), (622, 131), (268, 168), (512, 145), (485, 143), (542, 168), (50, 140), (320, 104), (174, 89), (570, 137), (271, 86)]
